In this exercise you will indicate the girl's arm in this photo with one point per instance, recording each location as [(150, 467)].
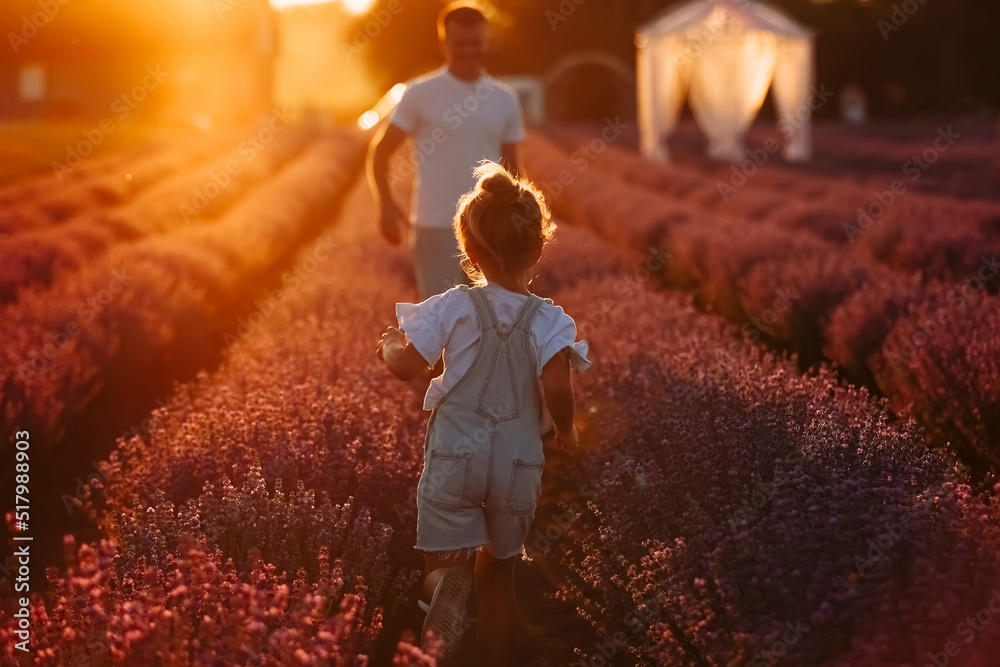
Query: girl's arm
[(400, 357), (558, 388)]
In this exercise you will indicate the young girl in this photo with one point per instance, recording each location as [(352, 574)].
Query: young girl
[(506, 381)]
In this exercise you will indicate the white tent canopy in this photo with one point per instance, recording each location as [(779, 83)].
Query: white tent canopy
[(724, 55)]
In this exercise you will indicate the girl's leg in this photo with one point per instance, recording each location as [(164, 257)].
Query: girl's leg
[(436, 564), (497, 609), (445, 615)]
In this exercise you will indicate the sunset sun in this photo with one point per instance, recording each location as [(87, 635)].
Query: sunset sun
[(352, 6)]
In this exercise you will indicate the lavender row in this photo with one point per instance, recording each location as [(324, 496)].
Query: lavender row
[(53, 199), (38, 257), (796, 292), (141, 300), (731, 510), (884, 220), (300, 403)]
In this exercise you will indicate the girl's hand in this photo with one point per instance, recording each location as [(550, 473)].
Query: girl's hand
[(568, 440), (392, 336)]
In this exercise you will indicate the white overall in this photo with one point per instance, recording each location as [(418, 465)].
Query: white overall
[(483, 454)]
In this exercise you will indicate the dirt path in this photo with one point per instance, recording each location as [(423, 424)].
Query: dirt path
[(549, 629)]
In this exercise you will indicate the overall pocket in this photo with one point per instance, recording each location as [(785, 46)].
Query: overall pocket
[(525, 486), (445, 479)]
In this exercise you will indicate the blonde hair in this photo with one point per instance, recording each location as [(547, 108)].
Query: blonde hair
[(503, 217)]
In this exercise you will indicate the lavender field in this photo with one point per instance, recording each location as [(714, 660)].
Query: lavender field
[(774, 469)]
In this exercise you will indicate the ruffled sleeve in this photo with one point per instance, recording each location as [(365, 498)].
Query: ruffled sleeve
[(578, 357), (424, 324), (561, 333)]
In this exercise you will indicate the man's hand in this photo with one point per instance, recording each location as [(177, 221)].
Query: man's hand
[(391, 220), (392, 223)]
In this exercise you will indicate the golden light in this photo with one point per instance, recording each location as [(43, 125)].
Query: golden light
[(369, 119), (357, 6), (382, 108), (351, 6), (395, 93), (313, 69)]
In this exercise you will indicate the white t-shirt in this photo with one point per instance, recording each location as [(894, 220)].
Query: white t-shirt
[(447, 324), (454, 125)]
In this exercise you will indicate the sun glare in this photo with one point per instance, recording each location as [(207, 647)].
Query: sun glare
[(352, 6), (371, 118)]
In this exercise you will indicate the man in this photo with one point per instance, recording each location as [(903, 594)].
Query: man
[(457, 116)]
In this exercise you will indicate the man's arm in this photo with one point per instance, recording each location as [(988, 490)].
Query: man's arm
[(383, 144), (510, 157), (390, 215)]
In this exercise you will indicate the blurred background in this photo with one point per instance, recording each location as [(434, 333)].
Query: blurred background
[(229, 62)]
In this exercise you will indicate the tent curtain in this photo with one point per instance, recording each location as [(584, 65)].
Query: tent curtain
[(662, 73), (793, 81), (724, 56), (729, 82), (649, 112)]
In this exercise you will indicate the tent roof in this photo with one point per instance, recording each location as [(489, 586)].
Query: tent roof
[(738, 15)]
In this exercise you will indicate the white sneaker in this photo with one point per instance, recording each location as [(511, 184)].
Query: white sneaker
[(469, 620), (446, 612)]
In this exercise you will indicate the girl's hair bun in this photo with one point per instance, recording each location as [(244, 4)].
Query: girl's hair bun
[(503, 219), (501, 186)]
